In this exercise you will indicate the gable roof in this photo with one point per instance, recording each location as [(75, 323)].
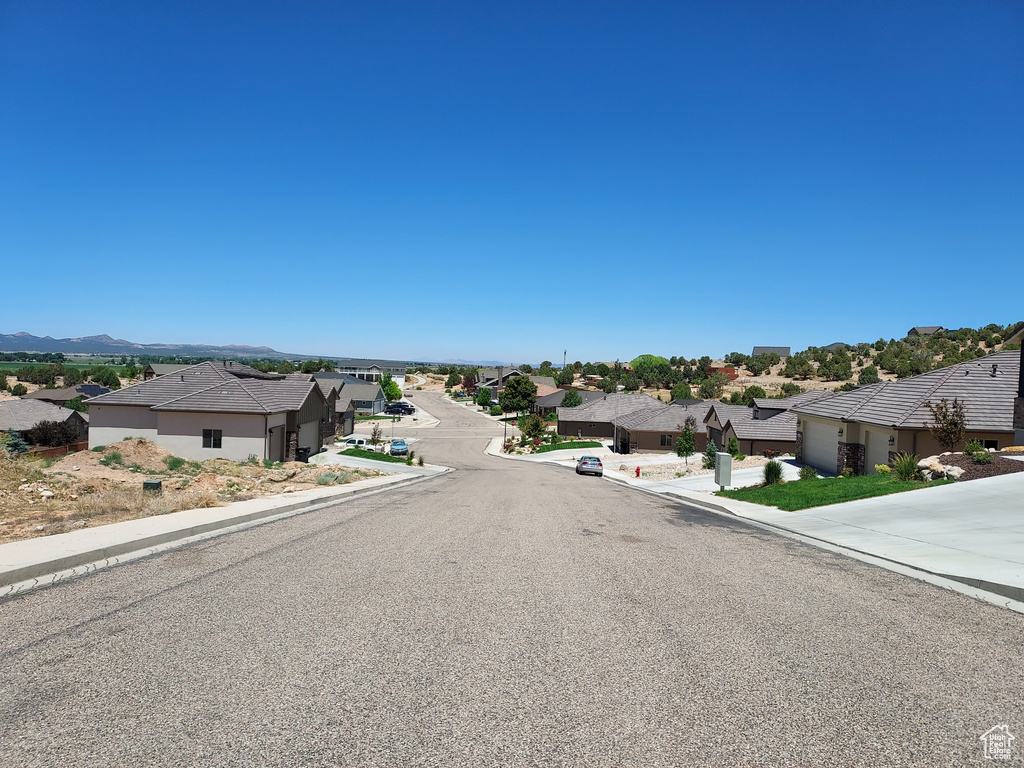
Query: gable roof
[(724, 411), (779, 427), (17, 415), (925, 330), (555, 398), (786, 403), (362, 390), (668, 418), (163, 369), (608, 407), (211, 387), (64, 394), (987, 395)]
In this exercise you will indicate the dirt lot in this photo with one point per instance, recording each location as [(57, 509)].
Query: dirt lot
[(42, 497)]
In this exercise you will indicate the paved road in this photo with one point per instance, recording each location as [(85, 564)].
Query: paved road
[(505, 614)]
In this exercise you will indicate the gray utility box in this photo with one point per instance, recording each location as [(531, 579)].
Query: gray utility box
[(153, 486), (723, 470)]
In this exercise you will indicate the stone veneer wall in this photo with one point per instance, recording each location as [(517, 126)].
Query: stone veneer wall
[(1018, 413), (799, 445), (291, 446), (851, 456)]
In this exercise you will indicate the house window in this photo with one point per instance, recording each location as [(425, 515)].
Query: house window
[(991, 444), (211, 438), (667, 441)]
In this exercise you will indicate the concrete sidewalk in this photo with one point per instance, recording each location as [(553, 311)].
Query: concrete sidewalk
[(47, 559)]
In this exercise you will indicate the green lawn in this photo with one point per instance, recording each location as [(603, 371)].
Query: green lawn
[(359, 453), (371, 418), (567, 445), (804, 494)]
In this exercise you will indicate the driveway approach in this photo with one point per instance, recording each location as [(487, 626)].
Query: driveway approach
[(505, 614)]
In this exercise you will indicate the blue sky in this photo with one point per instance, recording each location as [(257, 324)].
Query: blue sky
[(504, 181)]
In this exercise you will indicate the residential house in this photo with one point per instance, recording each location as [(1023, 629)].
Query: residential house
[(216, 410), (345, 411), (60, 396), (372, 370), (780, 351), (867, 426), (726, 369), (768, 426), (596, 419), (20, 415), (548, 403), (367, 397), (153, 370), (657, 429), (925, 330)]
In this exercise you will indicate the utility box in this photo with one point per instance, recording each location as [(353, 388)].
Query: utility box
[(723, 470), (153, 486)]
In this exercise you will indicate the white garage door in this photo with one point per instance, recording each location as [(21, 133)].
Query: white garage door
[(821, 445), (876, 450)]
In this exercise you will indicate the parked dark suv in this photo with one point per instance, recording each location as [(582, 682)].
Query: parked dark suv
[(399, 409)]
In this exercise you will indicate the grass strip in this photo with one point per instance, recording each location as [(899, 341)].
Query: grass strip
[(806, 494), (359, 453), (567, 446)]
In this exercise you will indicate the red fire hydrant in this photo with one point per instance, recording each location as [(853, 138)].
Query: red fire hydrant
[(638, 471)]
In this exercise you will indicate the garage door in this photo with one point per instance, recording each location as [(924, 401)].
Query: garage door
[(876, 450), (821, 446)]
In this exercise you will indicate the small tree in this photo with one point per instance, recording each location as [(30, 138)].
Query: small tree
[(868, 375), (572, 399), (453, 380), (19, 389), (565, 377), (12, 443), (285, 367), (483, 397), (684, 445), (682, 391), (392, 392), (376, 436), (520, 394), (531, 426), (752, 392), (77, 404), (52, 434), (469, 383), (950, 423), (734, 446), (710, 455)]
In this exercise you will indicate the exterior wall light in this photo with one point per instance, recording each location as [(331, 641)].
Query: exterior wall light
[(892, 440), (840, 431)]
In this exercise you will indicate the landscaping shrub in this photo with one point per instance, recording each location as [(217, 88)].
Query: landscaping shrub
[(773, 472), (974, 446), (19, 389), (99, 449), (12, 443), (532, 426), (739, 457), (733, 447), (419, 461), (710, 456), (52, 434), (848, 472), (174, 463), (883, 469), (905, 466), (330, 478), (808, 473), (984, 457), (495, 410)]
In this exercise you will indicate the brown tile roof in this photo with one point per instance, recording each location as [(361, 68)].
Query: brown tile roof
[(211, 387), (782, 426), (987, 395), (785, 403), (609, 407), (668, 418)]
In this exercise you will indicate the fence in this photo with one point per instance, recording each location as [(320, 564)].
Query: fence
[(60, 450)]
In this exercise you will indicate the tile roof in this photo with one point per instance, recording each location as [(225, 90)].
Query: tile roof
[(785, 403), (162, 369), (925, 330), (362, 390), (667, 418), (609, 407), (780, 351), (555, 398), (987, 396), (65, 393), (212, 387), (779, 427), (18, 415)]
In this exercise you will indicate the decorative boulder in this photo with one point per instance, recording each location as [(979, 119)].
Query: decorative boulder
[(954, 472)]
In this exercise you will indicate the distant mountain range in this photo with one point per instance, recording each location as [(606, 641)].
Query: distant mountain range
[(107, 345)]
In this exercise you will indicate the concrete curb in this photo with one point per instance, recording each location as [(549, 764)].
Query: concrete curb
[(48, 565)]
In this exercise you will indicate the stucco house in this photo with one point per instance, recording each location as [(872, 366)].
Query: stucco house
[(871, 424), (596, 419), (657, 429), (216, 410), (372, 370)]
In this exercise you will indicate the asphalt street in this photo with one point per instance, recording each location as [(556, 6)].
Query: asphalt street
[(506, 614)]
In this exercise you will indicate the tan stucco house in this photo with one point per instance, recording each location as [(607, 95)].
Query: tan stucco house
[(216, 410), (870, 425)]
